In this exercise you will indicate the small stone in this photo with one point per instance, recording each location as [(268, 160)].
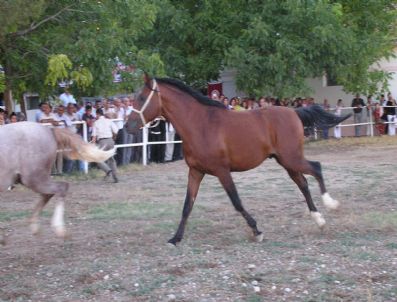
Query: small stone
[(106, 277), (171, 297), (305, 292), (251, 266), (244, 285), (257, 289), (274, 287), (287, 290), (136, 284), (254, 283)]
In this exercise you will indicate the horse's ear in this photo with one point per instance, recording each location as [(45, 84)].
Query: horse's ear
[(146, 78)]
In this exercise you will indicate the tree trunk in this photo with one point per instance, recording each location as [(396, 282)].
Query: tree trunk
[(23, 107), (8, 102)]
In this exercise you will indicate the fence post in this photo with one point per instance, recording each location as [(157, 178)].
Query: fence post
[(145, 134), (370, 122)]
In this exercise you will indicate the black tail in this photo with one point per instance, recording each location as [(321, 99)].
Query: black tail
[(316, 116)]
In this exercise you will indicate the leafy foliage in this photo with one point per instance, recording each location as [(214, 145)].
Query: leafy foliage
[(272, 45), (2, 82)]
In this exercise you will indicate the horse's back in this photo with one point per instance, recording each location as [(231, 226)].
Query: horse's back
[(26, 135), (26, 148)]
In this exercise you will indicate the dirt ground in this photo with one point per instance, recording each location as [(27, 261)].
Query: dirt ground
[(117, 249)]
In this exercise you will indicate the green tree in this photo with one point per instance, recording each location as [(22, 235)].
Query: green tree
[(275, 45), (90, 33), (285, 42)]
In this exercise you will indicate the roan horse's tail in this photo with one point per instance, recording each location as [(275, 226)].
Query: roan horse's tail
[(316, 116), (75, 148)]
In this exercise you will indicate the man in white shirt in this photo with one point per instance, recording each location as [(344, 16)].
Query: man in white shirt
[(102, 133), (67, 98), (46, 115), (73, 117), (62, 119)]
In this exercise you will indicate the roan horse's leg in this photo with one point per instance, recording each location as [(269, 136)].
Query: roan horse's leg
[(230, 188), (34, 221), (47, 187), (194, 180)]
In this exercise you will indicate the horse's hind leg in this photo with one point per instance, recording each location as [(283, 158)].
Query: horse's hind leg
[(301, 181), (230, 188), (34, 221), (50, 188), (315, 171), (195, 178)]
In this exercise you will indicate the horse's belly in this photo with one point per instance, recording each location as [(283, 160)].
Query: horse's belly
[(244, 165)]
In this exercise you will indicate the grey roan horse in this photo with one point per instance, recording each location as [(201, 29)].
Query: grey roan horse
[(27, 152)]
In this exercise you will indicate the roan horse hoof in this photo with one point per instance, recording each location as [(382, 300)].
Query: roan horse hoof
[(259, 237), (61, 232), (35, 228)]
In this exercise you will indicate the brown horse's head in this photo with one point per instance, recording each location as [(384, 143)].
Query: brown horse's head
[(147, 106)]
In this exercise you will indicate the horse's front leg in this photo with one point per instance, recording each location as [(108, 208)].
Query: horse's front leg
[(195, 178), (228, 184)]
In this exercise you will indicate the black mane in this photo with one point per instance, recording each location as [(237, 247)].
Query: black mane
[(195, 94)]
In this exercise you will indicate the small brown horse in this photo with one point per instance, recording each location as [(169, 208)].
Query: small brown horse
[(218, 141), (27, 152)]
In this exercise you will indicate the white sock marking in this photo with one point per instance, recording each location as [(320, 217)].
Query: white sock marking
[(329, 202), (57, 219), (318, 218)]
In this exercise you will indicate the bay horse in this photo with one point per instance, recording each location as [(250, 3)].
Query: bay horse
[(218, 141), (27, 153)]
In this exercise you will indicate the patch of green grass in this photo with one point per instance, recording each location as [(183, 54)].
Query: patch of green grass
[(381, 219), (306, 259), (15, 215), (392, 245), (147, 286), (327, 278), (366, 256), (125, 210), (291, 245), (254, 298), (350, 239), (8, 216)]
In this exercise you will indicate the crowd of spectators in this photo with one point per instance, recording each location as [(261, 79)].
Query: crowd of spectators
[(381, 111)]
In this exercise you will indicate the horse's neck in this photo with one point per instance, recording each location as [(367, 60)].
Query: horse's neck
[(184, 113)]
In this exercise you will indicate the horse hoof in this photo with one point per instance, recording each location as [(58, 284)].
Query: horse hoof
[(61, 232), (259, 238), (35, 228), (173, 242), (329, 202), (318, 218)]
